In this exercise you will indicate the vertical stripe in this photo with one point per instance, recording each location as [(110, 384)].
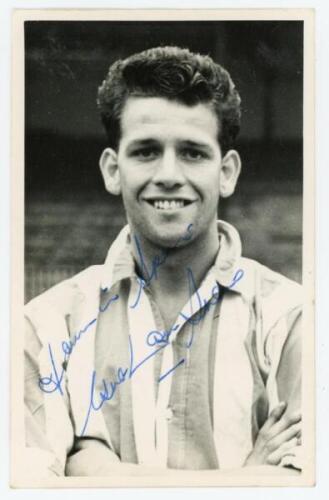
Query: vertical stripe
[(233, 387), (162, 406), (142, 380)]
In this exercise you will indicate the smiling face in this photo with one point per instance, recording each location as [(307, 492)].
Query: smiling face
[(169, 169)]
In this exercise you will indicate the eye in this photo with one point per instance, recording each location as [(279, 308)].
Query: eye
[(145, 154), (192, 154)]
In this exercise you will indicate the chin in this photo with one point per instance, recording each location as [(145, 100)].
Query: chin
[(170, 238)]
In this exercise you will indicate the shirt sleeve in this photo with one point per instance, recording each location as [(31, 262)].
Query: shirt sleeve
[(48, 428), (289, 369), (288, 380)]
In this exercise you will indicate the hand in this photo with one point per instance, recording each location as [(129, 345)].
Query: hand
[(280, 433)]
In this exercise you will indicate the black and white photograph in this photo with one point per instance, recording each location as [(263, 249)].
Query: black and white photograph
[(164, 229)]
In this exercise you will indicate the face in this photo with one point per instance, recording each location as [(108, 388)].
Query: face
[(169, 169)]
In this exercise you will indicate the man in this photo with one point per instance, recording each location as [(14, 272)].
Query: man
[(177, 353)]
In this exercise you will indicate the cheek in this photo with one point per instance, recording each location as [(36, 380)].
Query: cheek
[(133, 179), (206, 177), (129, 185), (208, 188), (131, 190)]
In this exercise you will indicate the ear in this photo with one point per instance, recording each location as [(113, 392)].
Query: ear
[(229, 173), (110, 171)]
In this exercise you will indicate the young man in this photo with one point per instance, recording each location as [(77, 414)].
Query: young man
[(176, 353)]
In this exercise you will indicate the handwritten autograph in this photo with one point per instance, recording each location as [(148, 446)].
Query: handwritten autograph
[(154, 338), (53, 382)]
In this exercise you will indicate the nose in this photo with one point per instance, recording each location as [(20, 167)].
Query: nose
[(169, 173)]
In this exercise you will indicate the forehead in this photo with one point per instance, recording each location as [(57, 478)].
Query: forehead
[(161, 118)]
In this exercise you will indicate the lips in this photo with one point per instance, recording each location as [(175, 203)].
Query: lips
[(169, 204)]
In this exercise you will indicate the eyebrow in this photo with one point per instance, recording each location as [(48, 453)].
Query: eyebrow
[(195, 144), (142, 142), (152, 141)]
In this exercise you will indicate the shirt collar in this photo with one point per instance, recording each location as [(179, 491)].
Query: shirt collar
[(227, 270)]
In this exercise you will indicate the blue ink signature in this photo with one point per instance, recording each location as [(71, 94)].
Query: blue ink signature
[(110, 388), (55, 378), (171, 369), (53, 382), (204, 305), (155, 337), (157, 261)]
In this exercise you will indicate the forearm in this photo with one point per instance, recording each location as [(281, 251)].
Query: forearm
[(94, 458), (127, 469)]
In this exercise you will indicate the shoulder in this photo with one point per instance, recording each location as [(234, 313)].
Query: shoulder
[(62, 298), (268, 282), (276, 295), (268, 279)]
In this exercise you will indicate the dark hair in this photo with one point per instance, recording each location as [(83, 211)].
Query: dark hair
[(175, 74)]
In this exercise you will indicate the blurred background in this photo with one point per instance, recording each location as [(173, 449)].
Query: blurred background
[(70, 220)]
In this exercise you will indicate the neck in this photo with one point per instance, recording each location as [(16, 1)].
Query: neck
[(165, 269)]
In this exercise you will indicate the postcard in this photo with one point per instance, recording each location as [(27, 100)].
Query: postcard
[(162, 248)]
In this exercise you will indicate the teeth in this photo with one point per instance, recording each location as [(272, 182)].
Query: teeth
[(168, 205)]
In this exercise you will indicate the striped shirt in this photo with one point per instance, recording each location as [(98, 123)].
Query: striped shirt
[(101, 369)]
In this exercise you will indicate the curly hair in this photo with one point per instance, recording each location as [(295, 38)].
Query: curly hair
[(175, 74)]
